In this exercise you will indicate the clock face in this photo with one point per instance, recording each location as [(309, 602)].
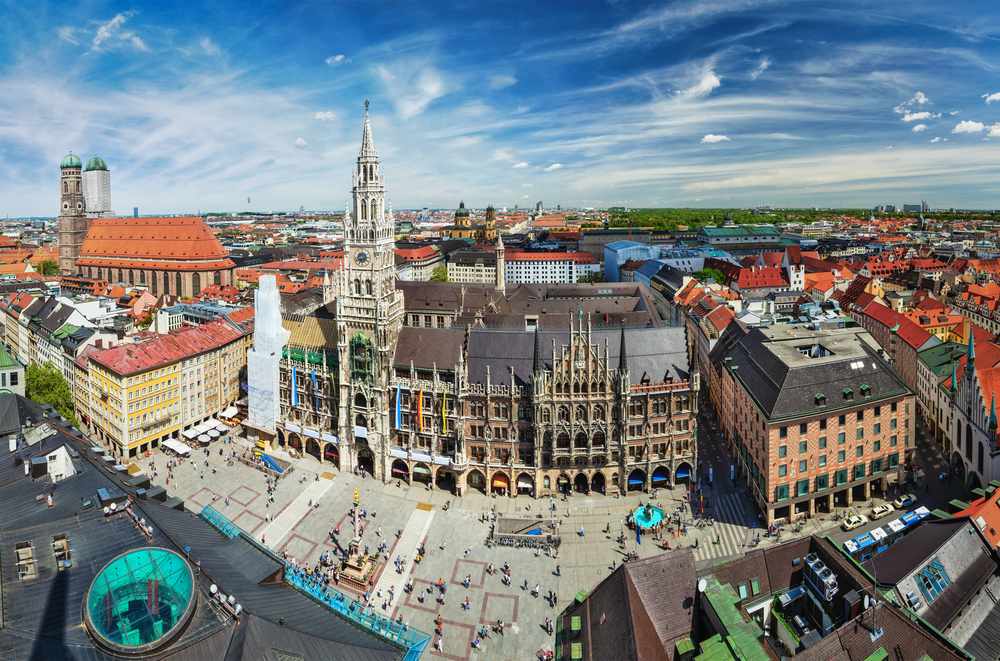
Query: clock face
[(362, 257)]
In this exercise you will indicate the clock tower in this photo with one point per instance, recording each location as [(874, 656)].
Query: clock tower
[(369, 315)]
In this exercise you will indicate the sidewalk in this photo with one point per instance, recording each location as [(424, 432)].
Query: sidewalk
[(414, 532), (296, 510)]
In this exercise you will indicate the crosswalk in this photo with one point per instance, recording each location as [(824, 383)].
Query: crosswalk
[(733, 528)]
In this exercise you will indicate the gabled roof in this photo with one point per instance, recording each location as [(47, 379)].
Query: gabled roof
[(152, 239)]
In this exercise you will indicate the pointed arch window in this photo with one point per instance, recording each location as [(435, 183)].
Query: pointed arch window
[(374, 213), (364, 210), (368, 287)]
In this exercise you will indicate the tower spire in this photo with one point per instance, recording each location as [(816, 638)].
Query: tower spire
[(367, 144), (993, 413), (622, 357), (971, 351), (536, 358)]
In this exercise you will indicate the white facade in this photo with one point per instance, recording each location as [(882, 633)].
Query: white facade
[(264, 358), (544, 269), (97, 193), (480, 273)]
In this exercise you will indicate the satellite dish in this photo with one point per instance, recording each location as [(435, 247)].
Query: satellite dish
[(867, 602), (702, 584), (213, 588)]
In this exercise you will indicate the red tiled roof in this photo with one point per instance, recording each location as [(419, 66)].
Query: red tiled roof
[(415, 254), (178, 265), (906, 330), (720, 317), (989, 510), (523, 256), (767, 276), (330, 264), (152, 239), (165, 350)]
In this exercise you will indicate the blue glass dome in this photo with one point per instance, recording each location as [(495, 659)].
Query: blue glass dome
[(140, 600)]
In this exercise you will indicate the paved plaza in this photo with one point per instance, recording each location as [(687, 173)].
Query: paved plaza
[(297, 519)]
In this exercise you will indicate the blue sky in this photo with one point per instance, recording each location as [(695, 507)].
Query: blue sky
[(196, 106)]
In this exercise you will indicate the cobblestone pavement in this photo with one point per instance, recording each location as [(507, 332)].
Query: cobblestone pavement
[(454, 541)]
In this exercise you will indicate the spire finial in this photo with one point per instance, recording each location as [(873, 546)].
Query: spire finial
[(971, 352), (622, 358), (367, 144)]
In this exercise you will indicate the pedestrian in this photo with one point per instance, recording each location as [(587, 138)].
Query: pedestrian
[(439, 644), (558, 572)]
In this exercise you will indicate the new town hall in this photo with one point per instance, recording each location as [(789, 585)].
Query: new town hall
[(532, 390)]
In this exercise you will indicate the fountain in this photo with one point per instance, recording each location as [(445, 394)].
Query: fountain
[(358, 568), (647, 516)]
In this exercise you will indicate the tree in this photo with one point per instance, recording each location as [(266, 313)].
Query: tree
[(715, 274), (46, 385), (48, 267), (440, 274)]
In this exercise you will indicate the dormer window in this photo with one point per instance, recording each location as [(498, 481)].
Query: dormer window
[(820, 399), (848, 394), (866, 390)]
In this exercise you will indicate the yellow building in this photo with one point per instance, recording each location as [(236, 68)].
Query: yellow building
[(465, 228), (140, 395)]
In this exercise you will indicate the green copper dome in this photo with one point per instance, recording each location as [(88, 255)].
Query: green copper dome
[(70, 160), (95, 163)]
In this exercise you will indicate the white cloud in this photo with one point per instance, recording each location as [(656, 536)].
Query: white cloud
[(412, 86), (968, 126), (918, 99), (500, 81), (68, 34), (938, 139), (994, 130), (918, 116), (325, 115), (520, 164), (209, 46), (919, 128), (990, 98), (762, 66), (553, 167), (952, 113), (110, 33), (503, 154), (704, 86), (334, 60), (712, 138), (300, 143)]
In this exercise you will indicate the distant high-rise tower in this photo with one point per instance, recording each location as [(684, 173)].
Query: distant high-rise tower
[(97, 188), (72, 213)]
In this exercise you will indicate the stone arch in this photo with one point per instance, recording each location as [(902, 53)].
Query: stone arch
[(422, 473), (366, 461), (661, 476), (599, 440), (281, 437), (580, 483), (445, 480), (636, 480), (360, 421), (562, 442), (564, 413), (580, 442), (179, 283), (563, 483), (581, 413), (196, 283), (295, 441), (360, 400), (683, 474), (599, 412), (312, 447), (374, 212), (525, 485), (598, 483), (400, 471), (331, 454), (500, 483), (476, 480)]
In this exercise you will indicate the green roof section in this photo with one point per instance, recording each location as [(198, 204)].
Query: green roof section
[(6, 360), (714, 649), (741, 231), (938, 359), (64, 331), (684, 646), (95, 163), (959, 505), (741, 637), (70, 160), (878, 655)]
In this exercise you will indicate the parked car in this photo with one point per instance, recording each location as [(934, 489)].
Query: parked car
[(881, 510), (904, 501), (854, 521)]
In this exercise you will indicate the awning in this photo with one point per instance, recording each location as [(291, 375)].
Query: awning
[(204, 438), (190, 433), (230, 412), (221, 426), (312, 433), (420, 456), (291, 426), (563, 479), (400, 470), (682, 473), (176, 446), (525, 482), (213, 433), (500, 481), (397, 452), (421, 470), (331, 438), (636, 480)]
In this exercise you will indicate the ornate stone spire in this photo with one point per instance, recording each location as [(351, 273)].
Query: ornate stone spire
[(622, 358), (367, 144)]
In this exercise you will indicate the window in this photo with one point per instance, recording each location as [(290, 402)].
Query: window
[(893, 440), (859, 471), (859, 451), (783, 432), (876, 466), (842, 420), (802, 428), (841, 457), (822, 423), (893, 407), (782, 470), (803, 446), (754, 586), (782, 450), (781, 492), (803, 466), (13, 378), (877, 446), (932, 580), (859, 433), (877, 429), (860, 415), (822, 460), (841, 476), (822, 482), (841, 438), (742, 587), (802, 488), (822, 442), (893, 460), (892, 423), (878, 411)]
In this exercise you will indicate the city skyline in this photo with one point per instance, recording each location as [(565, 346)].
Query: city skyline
[(678, 104)]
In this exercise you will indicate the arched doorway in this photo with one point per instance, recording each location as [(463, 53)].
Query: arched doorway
[(331, 453), (683, 473), (445, 480), (400, 471), (294, 442), (563, 483), (637, 480), (580, 442), (500, 483), (597, 483), (958, 466), (281, 438), (525, 485), (312, 447), (477, 480), (422, 473), (366, 461), (661, 476), (580, 483)]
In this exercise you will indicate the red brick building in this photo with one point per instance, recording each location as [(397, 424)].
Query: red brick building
[(178, 256)]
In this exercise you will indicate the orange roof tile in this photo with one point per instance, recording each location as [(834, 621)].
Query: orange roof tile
[(152, 239), (164, 350)]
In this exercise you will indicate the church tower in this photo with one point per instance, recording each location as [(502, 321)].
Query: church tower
[(72, 220), (501, 271), (369, 316)]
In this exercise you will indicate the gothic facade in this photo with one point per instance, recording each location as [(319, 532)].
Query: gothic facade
[(532, 411)]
